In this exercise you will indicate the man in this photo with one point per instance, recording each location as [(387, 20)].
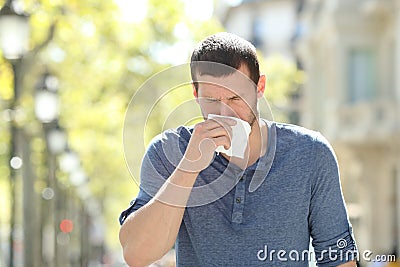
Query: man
[(221, 210)]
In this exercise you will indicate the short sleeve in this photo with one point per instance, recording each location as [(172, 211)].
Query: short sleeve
[(330, 228), (141, 200), (160, 160)]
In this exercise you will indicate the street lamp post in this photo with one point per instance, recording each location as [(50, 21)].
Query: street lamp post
[(46, 98), (14, 31), (14, 39), (56, 140), (47, 111)]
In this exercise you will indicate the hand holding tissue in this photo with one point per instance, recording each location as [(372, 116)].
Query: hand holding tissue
[(240, 135)]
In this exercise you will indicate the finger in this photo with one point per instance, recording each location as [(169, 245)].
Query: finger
[(213, 128), (214, 124), (219, 131), (222, 141)]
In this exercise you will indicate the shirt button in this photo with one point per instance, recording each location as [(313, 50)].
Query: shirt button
[(238, 200)]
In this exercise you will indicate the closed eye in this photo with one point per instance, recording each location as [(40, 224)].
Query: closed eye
[(211, 100)]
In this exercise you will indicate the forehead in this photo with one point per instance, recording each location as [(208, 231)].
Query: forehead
[(237, 83)]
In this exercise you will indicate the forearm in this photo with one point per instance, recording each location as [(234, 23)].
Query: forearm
[(150, 232)]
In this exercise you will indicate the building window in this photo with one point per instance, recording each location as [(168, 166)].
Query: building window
[(362, 72)]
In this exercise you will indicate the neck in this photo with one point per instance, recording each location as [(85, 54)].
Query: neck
[(257, 140)]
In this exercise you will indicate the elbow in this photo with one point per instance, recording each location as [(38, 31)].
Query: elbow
[(137, 250), (137, 257), (133, 259), (132, 256)]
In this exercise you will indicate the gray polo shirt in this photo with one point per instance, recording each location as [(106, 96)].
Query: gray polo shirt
[(263, 215)]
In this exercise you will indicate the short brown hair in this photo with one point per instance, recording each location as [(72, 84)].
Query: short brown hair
[(224, 48)]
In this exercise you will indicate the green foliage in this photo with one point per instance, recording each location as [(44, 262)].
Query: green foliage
[(283, 79), (100, 61)]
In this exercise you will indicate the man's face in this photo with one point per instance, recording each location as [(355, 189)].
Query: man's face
[(234, 95)]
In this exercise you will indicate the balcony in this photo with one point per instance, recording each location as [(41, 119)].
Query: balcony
[(376, 121)]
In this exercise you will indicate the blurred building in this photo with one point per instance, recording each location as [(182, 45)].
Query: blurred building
[(268, 24), (350, 50), (272, 26)]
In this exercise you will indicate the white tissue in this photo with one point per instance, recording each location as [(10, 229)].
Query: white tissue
[(240, 135)]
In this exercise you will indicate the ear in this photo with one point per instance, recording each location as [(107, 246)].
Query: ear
[(196, 96), (261, 86)]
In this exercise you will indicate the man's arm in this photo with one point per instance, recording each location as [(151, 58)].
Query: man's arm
[(149, 232), (329, 224)]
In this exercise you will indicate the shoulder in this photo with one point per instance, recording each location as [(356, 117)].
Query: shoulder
[(170, 141), (296, 137), (164, 153), (290, 133), (287, 130)]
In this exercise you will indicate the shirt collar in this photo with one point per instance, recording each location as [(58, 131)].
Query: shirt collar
[(263, 165)]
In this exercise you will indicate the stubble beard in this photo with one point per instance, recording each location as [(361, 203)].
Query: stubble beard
[(254, 114)]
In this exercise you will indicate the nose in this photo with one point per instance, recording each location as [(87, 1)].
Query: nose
[(226, 110)]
